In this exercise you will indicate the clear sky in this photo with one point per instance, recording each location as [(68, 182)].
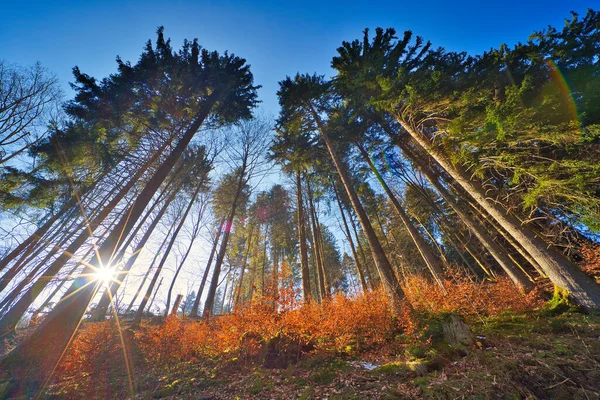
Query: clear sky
[(277, 38)]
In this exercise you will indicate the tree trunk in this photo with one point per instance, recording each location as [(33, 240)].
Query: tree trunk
[(35, 237), (154, 296), (212, 289), (194, 311), (39, 353), (361, 275), (432, 262), (306, 293), (138, 317), (147, 274), (175, 305), (561, 271), (185, 214), (106, 298), (386, 272), (244, 264), (316, 244), (501, 257), (361, 251)]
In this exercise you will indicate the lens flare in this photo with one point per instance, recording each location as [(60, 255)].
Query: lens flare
[(560, 80), (105, 274)]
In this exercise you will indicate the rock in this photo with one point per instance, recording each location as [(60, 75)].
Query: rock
[(456, 331)]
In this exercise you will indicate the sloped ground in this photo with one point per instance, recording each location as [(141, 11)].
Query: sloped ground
[(533, 355)]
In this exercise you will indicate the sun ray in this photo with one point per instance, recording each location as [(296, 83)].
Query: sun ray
[(127, 366)]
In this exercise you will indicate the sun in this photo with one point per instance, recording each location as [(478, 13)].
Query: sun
[(105, 274)]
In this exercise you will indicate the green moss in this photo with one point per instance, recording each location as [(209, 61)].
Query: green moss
[(307, 394), (323, 377), (414, 351), (421, 381), (419, 367), (560, 303), (257, 384), (393, 368)]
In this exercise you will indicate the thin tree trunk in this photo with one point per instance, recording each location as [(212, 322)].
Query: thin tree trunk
[(147, 274), (154, 296), (386, 272), (225, 294), (194, 311), (187, 211), (39, 233), (107, 296), (430, 259), (361, 275), (302, 239), (11, 318), (561, 271), (248, 245), (138, 317), (318, 254), (362, 253), (501, 257), (212, 289)]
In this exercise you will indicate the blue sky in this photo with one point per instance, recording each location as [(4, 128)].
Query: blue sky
[(277, 38)]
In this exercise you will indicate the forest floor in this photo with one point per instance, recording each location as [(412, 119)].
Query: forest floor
[(515, 355)]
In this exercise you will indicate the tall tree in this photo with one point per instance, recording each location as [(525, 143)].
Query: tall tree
[(392, 75), (207, 84), (305, 97), (248, 156)]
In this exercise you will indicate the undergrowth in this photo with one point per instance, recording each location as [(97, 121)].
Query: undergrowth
[(276, 331)]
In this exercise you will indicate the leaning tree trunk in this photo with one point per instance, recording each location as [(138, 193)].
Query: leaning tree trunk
[(138, 316), (501, 257), (238, 295), (37, 356), (432, 262), (213, 251), (361, 274), (192, 200), (154, 296), (150, 267), (316, 244), (371, 281), (35, 237), (560, 270), (10, 319), (109, 293), (212, 289), (386, 272)]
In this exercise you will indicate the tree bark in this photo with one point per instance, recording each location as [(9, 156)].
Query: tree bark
[(316, 244), (41, 352), (194, 311), (189, 207), (306, 291), (361, 275), (432, 262), (138, 317), (501, 257), (107, 296), (386, 272)]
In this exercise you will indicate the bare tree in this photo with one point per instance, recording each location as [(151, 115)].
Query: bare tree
[(27, 98)]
